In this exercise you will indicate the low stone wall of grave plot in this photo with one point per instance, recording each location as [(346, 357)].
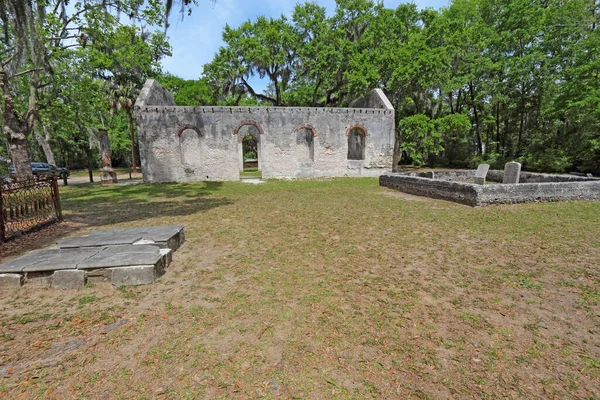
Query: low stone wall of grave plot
[(538, 192), (458, 192), (484, 195)]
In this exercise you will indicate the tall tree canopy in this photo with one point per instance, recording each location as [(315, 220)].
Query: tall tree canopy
[(37, 36), (479, 80)]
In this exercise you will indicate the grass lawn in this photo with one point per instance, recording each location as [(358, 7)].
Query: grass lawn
[(83, 173), (317, 289)]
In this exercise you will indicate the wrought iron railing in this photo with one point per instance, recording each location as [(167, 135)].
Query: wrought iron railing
[(28, 204)]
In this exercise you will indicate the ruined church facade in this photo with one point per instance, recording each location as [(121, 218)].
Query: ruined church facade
[(185, 144)]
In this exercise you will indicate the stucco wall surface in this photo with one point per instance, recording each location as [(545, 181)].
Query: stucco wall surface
[(205, 143)]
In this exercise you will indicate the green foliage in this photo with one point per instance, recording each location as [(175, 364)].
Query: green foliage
[(497, 80), (420, 138)]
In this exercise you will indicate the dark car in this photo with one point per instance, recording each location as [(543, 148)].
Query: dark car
[(38, 168), (63, 172)]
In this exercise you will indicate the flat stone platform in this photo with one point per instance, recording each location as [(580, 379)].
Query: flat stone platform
[(123, 256), (171, 237)]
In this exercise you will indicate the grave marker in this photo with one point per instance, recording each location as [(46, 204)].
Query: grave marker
[(512, 172)]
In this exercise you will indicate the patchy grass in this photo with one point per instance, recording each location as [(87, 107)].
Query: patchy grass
[(318, 289), (83, 173)]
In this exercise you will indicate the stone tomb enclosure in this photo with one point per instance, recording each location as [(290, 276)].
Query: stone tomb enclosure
[(124, 256), (532, 187)]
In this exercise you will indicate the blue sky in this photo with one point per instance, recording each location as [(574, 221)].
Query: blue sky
[(197, 38)]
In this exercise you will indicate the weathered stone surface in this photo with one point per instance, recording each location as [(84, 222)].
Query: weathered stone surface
[(480, 195), (134, 275), (58, 259), (126, 255), (47, 260), (172, 237), (17, 264), (205, 143), (168, 256), (481, 174), (512, 172), (39, 278), (69, 279), (428, 174), (10, 281), (103, 238)]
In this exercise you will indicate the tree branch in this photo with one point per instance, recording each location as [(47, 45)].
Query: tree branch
[(26, 72), (257, 95)]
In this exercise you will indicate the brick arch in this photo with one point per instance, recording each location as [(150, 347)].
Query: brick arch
[(359, 127), (307, 126), (183, 127), (246, 123)]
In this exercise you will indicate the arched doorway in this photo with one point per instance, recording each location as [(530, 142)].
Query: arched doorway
[(249, 149)]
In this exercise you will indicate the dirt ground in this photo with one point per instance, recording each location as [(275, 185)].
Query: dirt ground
[(317, 289)]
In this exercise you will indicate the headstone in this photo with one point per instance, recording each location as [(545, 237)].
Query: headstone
[(428, 174), (512, 172), (107, 174), (481, 174)]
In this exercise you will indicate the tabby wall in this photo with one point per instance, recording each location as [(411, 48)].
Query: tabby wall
[(205, 143)]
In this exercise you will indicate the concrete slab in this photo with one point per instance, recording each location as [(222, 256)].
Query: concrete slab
[(120, 256), (69, 279), (10, 281)]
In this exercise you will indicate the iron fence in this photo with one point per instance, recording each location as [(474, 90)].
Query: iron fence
[(28, 204)]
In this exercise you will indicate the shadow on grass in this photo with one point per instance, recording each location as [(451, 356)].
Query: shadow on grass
[(89, 205), (99, 205)]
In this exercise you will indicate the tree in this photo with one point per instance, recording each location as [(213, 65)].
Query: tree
[(265, 47), (34, 33)]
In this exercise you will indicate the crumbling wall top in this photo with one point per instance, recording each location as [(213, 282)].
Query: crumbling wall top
[(154, 94)]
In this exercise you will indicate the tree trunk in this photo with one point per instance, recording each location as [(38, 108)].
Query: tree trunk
[(15, 130), (45, 145), (19, 152), (476, 115), (131, 136)]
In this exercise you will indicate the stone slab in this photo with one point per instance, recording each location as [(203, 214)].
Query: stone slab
[(162, 236), (17, 264), (47, 260), (105, 238), (59, 259), (126, 255), (69, 279), (133, 275), (11, 281), (512, 172)]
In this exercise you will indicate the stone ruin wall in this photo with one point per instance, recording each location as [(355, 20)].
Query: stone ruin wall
[(186, 144)]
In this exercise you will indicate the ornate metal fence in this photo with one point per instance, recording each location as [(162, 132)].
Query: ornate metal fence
[(28, 204)]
